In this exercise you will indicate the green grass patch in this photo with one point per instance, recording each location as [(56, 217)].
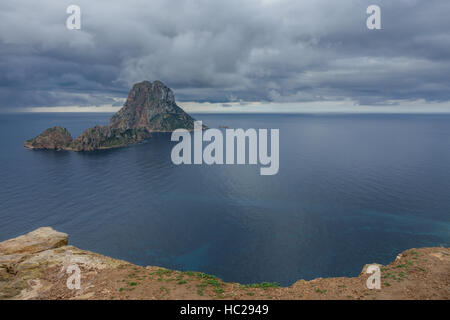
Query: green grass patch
[(202, 275), (218, 290), (161, 272), (263, 285), (320, 291), (212, 282)]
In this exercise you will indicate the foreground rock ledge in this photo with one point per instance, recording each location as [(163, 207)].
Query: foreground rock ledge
[(34, 266)]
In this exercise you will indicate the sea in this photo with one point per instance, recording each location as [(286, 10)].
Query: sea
[(351, 189)]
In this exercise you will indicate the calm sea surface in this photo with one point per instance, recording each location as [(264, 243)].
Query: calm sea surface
[(351, 190)]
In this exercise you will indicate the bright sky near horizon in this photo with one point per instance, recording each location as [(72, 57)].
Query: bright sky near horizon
[(268, 107)]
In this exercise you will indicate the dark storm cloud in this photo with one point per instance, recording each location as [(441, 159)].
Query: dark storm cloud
[(254, 50)]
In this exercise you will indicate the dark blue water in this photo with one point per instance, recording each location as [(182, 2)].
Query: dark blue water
[(352, 189)]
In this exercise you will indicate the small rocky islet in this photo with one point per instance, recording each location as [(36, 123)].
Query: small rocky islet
[(150, 107)]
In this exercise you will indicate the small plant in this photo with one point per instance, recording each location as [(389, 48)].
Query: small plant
[(218, 290), (320, 291), (202, 275), (162, 271), (263, 285), (164, 290), (212, 282)]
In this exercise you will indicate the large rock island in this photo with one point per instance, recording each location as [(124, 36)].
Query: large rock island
[(150, 107)]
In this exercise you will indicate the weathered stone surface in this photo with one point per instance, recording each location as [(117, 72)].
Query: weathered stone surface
[(36, 241), (105, 137), (56, 138), (34, 264), (151, 106), (30, 271)]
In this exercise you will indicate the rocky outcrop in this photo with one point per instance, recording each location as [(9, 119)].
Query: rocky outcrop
[(150, 107), (105, 137), (39, 265), (56, 138), (35, 264), (36, 241)]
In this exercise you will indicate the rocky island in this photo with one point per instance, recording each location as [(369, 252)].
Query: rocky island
[(35, 266), (150, 107), (56, 138)]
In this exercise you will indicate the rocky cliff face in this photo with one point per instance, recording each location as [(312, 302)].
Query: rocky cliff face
[(35, 266), (151, 106), (105, 137), (56, 138)]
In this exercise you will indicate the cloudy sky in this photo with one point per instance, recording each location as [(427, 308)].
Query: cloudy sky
[(226, 56)]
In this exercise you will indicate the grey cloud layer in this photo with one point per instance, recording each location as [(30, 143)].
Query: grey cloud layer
[(212, 50)]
